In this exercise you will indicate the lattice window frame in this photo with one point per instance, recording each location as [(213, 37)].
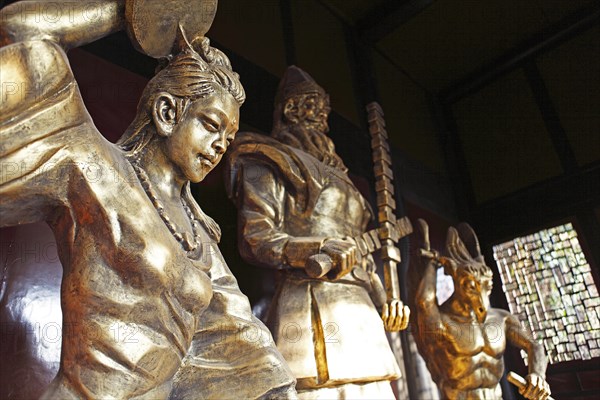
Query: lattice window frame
[(549, 285)]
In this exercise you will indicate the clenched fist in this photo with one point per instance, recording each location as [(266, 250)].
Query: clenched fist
[(343, 254), (536, 389), (395, 316)]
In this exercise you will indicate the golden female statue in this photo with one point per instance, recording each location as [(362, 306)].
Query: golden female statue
[(296, 204), (463, 340), (138, 252)]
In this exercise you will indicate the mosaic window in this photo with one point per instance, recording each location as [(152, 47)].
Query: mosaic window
[(549, 285)]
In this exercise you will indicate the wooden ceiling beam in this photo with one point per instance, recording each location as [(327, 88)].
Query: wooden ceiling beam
[(382, 20), (555, 129), (571, 197), (539, 204), (567, 28)]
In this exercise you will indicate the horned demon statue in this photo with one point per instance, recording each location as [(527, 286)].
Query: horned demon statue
[(463, 340)]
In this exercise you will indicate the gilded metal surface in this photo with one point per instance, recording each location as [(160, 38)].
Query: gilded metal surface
[(152, 30), (520, 382), (296, 206), (463, 340), (318, 265), (386, 204), (150, 309)]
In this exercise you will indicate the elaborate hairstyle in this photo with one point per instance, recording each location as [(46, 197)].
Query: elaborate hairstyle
[(190, 75)]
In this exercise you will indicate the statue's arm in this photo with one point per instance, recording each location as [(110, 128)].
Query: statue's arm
[(537, 387), (67, 23), (520, 338), (263, 239), (43, 117), (426, 297)]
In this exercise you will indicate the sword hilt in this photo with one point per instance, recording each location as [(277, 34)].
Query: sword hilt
[(318, 265)]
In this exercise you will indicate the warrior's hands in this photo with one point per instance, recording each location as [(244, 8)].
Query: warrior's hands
[(395, 316), (536, 388), (343, 254)]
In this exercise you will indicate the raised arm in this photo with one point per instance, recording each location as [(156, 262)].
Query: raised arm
[(537, 388), (426, 297), (42, 118), (68, 23)]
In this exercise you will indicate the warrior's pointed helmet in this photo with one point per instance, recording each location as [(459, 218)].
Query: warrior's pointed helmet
[(296, 81)]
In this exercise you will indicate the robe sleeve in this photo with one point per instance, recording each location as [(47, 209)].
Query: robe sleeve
[(43, 118), (263, 238)]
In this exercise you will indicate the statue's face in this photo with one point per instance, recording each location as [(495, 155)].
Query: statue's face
[(474, 291), (312, 109), (201, 137), (316, 111)]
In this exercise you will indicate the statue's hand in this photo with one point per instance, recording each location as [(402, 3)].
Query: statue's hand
[(536, 389), (395, 316), (343, 254)]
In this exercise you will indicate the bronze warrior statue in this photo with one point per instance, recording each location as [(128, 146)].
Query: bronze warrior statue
[(137, 250), (463, 340), (295, 202)]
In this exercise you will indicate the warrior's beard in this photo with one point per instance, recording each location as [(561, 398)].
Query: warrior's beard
[(309, 138)]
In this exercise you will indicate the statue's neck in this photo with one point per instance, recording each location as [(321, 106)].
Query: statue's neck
[(163, 174)]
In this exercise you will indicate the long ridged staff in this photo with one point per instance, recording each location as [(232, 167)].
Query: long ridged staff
[(386, 204), (390, 228)]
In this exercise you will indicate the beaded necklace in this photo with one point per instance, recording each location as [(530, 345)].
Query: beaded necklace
[(188, 242)]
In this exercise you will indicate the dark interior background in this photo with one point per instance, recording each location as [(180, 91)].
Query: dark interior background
[(492, 107)]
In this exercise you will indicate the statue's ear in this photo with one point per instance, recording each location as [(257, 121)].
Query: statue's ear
[(164, 114), (291, 111)]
